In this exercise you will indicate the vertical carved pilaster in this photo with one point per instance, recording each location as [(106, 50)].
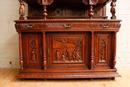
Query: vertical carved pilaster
[(21, 10), (113, 10), (92, 51), (20, 52), (114, 55), (44, 51)]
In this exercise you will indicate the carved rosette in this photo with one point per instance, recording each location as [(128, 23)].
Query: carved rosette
[(22, 10)]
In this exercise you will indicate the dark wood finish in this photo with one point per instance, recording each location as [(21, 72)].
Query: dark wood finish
[(113, 10), (61, 42)]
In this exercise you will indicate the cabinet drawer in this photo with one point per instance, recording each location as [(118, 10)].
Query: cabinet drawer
[(69, 26)]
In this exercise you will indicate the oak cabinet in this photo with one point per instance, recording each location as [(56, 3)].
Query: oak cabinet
[(61, 42)]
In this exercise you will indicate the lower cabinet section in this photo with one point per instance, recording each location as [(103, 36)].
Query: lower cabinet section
[(69, 49), (68, 55)]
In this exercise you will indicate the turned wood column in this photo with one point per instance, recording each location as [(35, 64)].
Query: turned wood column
[(45, 3), (21, 10), (91, 4), (113, 10), (20, 52), (92, 50), (44, 51)]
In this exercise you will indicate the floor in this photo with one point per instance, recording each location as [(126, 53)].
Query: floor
[(7, 79)]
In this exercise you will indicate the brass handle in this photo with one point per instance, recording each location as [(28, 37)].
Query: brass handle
[(67, 26), (105, 26), (27, 26)]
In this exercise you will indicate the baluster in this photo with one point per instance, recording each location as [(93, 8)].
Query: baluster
[(45, 3), (20, 52), (91, 3), (21, 10), (45, 12), (92, 51), (91, 12), (113, 10), (44, 51)]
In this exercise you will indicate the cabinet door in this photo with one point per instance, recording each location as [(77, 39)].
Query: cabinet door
[(104, 50), (67, 50), (32, 50)]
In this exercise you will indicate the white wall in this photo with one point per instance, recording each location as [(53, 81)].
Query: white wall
[(9, 36)]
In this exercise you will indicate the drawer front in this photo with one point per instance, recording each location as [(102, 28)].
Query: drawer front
[(69, 26)]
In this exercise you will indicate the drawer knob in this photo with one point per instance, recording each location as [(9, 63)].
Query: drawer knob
[(67, 26)]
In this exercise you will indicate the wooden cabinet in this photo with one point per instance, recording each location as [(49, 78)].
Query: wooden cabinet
[(62, 42)]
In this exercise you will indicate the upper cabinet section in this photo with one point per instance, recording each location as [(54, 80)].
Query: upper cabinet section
[(66, 9)]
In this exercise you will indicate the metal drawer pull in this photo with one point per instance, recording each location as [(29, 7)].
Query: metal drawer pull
[(28, 26), (67, 25), (105, 26)]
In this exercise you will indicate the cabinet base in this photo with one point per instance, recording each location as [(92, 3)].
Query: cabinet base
[(67, 75)]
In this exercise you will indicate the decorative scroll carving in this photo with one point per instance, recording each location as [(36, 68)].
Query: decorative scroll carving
[(21, 10), (113, 10), (67, 50), (33, 53)]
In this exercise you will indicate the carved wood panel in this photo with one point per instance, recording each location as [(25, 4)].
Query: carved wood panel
[(103, 48), (32, 54), (65, 49)]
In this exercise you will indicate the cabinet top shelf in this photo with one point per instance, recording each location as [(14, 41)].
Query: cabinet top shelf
[(66, 1), (62, 9)]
